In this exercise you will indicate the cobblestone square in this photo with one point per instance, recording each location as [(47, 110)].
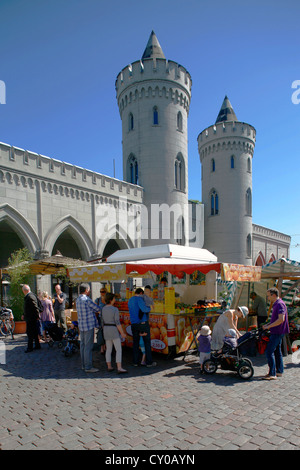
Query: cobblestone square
[(50, 403)]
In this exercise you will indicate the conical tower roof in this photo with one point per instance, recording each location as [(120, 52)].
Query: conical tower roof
[(226, 112), (153, 49)]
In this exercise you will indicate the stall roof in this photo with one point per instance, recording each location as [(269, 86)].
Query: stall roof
[(177, 260), (281, 268), (200, 255), (282, 273)]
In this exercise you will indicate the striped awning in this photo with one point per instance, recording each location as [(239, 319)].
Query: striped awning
[(282, 273)]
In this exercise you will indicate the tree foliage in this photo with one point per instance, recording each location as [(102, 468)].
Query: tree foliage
[(19, 273)]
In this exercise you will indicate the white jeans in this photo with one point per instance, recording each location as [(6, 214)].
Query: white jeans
[(203, 356), (118, 347)]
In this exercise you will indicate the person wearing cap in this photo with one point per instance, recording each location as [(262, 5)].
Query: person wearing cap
[(259, 308), (228, 319), (204, 340)]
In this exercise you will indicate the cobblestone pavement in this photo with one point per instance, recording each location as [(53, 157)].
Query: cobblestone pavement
[(48, 402)]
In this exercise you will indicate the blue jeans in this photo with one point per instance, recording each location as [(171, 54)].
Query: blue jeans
[(86, 348), (136, 343), (274, 355)]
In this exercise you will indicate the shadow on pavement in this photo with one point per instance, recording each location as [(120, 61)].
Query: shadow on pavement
[(51, 363)]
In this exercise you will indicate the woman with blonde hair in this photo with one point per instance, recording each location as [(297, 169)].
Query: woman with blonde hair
[(47, 315), (227, 320)]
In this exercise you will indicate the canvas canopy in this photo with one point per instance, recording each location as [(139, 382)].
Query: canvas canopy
[(282, 273), (50, 265), (174, 259)]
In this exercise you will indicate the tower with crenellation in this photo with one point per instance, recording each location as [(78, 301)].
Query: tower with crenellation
[(226, 150), (154, 97)]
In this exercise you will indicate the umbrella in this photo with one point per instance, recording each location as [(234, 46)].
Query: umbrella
[(50, 265)]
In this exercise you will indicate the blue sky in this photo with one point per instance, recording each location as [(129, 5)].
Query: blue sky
[(60, 59)]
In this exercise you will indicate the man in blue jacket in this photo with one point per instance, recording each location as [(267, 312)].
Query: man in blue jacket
[(139, 318)]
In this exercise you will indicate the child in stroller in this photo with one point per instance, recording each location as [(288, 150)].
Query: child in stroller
[(230, 358), (53, 334), (72, 339)]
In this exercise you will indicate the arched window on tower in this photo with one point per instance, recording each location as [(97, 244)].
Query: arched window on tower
[(179, 173), (180, 235), (132, 170), (248, 202), (249, 165), (155, 116), (249, 246), (214, 203), (179, 121), (213, 165), (130, 122)]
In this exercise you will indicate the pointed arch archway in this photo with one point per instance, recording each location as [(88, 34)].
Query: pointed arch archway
[(272, 258), (69, 228), (260, 260), (20, 226), (115, 239)]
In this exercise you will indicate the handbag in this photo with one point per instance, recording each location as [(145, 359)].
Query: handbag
[(100, 337)]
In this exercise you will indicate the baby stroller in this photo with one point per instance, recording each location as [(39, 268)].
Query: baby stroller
[(232, 359), (72, 340), (54, 334)]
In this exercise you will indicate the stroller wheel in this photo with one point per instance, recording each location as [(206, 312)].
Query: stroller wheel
[(60, 345), (245, 370), (245, 359), (209, 366)]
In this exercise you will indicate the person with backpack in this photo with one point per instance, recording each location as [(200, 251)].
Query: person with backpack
[(31, 316), (139, 319)]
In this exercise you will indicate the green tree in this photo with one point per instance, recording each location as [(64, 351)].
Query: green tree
[(19, 273)]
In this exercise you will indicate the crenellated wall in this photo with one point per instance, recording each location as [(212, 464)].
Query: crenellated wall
[(130, 83), (40, 197), (225, 136)]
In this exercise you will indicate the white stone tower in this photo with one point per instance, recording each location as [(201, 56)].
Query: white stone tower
[(154, 97), (226, 150)]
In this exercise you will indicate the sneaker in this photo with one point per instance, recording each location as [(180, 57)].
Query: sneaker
[(269, 377), (92, 370), (152, 365)]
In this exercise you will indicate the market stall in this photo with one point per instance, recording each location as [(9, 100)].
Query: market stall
[(182, 305), (283, 274)]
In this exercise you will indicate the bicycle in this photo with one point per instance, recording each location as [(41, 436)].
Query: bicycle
[(7, 323)]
